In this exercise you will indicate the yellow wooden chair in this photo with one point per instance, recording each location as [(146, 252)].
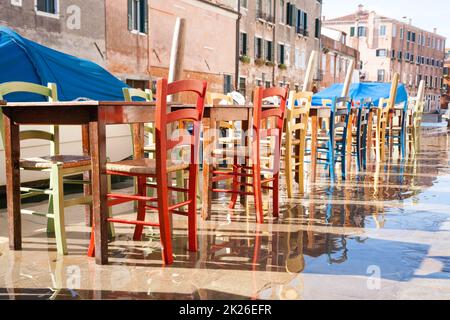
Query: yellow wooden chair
[(415, 111), (131, 94), (382, 120), (296, 125), (59, 166)]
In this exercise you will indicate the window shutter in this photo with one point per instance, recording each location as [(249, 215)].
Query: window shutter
[(305, 21), (352, 31), (130, 15), (144, 16)]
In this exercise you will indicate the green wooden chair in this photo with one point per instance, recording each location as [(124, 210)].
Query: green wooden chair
[(59, 166)]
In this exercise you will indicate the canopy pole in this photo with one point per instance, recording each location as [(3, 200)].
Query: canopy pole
[(348, 79), (174, 53), (307, 85)]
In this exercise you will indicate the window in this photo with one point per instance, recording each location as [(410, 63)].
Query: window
[(268, 84), (268, 50), (419, 39), (227, 87), (402, 33), (297, 58), (258, 48), (394, 31), (282, 8), (138, 84), (400, 55), (382, 30), (138, 16), (393, 54), (243, 86), (290, 10), (317, 31), (244, 4), (352, 31), (362, 31), (243, 44), (381, 74), (381, 53), (281, 54), (287, 55), (47, 6)]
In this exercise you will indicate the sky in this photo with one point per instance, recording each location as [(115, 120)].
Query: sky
[(425, 14)]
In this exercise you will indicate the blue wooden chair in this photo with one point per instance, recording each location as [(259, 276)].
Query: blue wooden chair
[(359, 141), (333, 144)]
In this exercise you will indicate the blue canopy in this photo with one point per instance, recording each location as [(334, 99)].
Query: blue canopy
[(24, 60), (360, 91)]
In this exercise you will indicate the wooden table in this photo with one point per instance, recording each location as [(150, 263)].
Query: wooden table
[(95, 115), (211, 117)]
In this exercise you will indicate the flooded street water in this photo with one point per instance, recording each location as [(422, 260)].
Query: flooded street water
[(382, 234)]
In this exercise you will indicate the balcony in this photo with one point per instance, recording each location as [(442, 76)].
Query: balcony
[(302, 31), (318, 76), (265, 17)]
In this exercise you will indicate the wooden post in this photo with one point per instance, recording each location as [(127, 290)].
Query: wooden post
[(348, 79), (307, 85)]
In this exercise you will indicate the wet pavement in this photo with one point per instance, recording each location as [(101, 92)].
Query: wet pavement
[(382, 234)]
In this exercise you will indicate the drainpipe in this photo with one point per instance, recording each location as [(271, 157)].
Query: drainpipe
[(238, 35)]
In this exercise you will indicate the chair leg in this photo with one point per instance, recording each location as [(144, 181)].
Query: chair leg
[(288, 168), (235, 184), (164, 221), (91, 249), (111, 229), (50, 221), (142, 191), (257, 190), (301, 166), (192, 209), (58, 209), (276, 195)]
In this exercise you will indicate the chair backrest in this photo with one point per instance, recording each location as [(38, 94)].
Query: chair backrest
[(276, 114), (340, 115), (129, 94), (51, 93), (164, 118), (213, 98), (298, 107), (393, 93)]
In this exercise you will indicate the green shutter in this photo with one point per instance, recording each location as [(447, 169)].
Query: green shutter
[(305, 22), (144, 16), (352, 31), (130, 16)]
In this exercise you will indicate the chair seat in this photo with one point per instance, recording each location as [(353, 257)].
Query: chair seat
[(150, 147), (67, 161), (225, 140), (143, 166), (233, 152)]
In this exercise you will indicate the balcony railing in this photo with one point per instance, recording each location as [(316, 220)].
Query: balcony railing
[(302, 31), (261, 15)]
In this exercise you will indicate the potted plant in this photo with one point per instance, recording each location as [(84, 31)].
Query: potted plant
[(259, 61), (245, 59), (282, 66), (270, 63)]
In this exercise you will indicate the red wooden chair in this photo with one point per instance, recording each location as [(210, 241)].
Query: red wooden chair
[(160, 167), (253, 171)]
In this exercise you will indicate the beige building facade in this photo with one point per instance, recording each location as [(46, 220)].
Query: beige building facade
[(388, 45), (276, 38)]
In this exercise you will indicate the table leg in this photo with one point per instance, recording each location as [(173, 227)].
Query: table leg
[(206, 170), (87, 176), (97, 130), (12, 158), (314, 128), (245, 133)]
